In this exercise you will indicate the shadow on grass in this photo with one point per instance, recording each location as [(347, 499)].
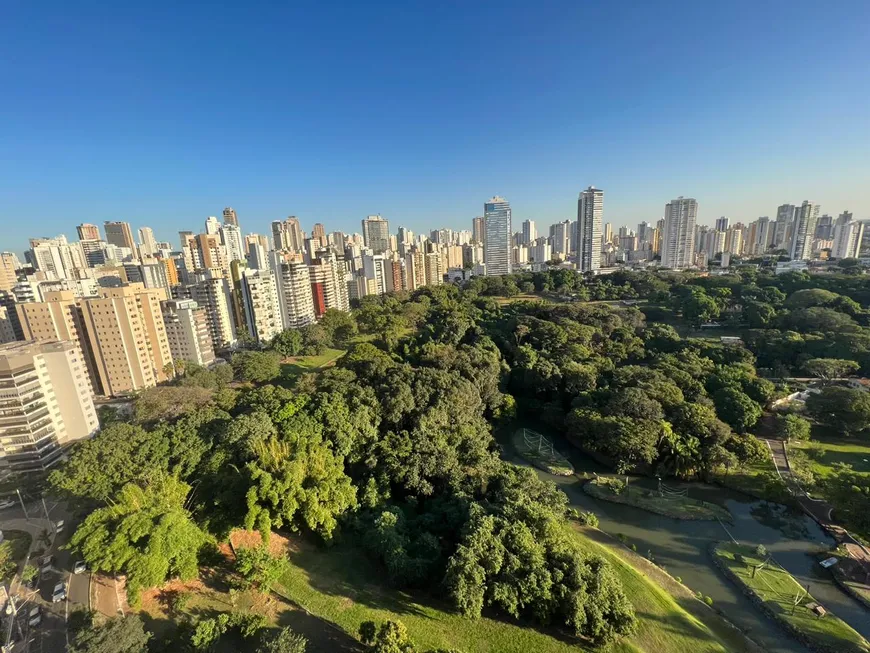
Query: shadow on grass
[(322, 636)]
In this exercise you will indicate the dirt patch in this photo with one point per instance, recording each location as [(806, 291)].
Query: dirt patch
[(279, 545)]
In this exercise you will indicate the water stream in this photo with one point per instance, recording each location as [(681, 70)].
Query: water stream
[(681, 547)]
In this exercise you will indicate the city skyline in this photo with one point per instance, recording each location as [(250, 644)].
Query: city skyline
[(130, 127)]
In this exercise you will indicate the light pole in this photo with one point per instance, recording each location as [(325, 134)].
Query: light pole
[(26, 516)]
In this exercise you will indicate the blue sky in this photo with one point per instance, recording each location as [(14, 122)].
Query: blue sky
[(162, 113)]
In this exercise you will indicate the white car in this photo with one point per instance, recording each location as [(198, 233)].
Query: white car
[(80, 567), (6, 503), (35, 617), (59, 593), (58, 526)]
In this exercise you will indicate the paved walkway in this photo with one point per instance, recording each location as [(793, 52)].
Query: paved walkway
[(818, 509), (109, 595)]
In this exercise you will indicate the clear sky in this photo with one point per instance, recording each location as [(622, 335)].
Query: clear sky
[(162, 113)]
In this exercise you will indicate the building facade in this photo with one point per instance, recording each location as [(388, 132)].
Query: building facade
[(497, 236), (678, 239), (590, 208)]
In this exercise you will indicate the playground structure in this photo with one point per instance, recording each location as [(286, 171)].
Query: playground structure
[(539, 450)]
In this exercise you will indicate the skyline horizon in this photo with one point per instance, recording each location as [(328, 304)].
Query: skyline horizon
[(516, 223)]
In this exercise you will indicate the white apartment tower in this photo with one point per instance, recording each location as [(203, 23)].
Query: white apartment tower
[(294, 295), (187, 331), (590, 207), (497, 236), (678, 239), (804, 227), (848, 236), (46, 402), (260, 302)]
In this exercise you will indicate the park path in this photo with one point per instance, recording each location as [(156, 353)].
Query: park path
[(109, 595), (819, 509)]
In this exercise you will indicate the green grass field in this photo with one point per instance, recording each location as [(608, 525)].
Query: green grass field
[(297, 365), (825, 453), (751, 479), (676, 507), (778, 589), (342, 586)]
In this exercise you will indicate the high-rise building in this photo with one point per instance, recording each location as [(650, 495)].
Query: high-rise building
[(119, 234), (212, 292), (540, 251), (678, 239), (56, 257), (590, 207), (287, 234), (782, 232), (294, 295), (46, 403), (376, 233), (497, 236), (58, 317), (212, 225), (848, 237), (478, 231), (824, 228), (435, 269), (88, 231), (260, 301), (257, 254), (187, 331), (415, 269), (8, 275), (127, 335), (804, 228), (530, 233), (560, 239), (722, 223), (147, 242), (212, 253), (328, 284), (230, 216), (318, 233), (231, 239)]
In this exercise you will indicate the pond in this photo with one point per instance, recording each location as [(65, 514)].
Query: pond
[(681, 546)]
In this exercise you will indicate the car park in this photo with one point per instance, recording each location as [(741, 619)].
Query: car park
[(59, 593)]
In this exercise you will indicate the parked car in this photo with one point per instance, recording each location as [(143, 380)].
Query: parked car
[(59, 593), (35, 616), (46, 563), (80, 567), (58, 526), (6, 503)]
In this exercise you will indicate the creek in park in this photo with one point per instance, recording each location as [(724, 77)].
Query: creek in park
[(681, 546)]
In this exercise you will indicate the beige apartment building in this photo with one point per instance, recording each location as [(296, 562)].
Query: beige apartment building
[(127, 334), (59, 317), (46, 402), (187, 331)]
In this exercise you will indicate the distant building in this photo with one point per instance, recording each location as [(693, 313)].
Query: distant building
[(119, 234), (376, 233), (590, 206), (804, 228), (678, 239), (497, 236), (88, 231)]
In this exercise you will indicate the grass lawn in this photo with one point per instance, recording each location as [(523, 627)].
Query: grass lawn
[(296, 365), (751, 479), (824, 453), (522, 297), (342, 586), (550, 461), (777, 588), (18, 542), (677, 507)]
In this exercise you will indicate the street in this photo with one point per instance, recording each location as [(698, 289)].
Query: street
[(49, 636)]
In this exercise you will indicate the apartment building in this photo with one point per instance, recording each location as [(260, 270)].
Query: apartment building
[(127, 334), (46, 402), (187, 331)]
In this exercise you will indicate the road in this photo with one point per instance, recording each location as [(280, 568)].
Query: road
[(50, 636)]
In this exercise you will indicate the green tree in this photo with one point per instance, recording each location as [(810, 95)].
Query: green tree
[(98, 468), (698, 307), (287, 343), (146, 533), (169, 402), (736, 408), (340, 327), (849, 491), (115, 635), (256, 366), (793, 427), (208, 632), (260, 568), (391, 637), (830, 368), (843, 408), (285, 641)]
